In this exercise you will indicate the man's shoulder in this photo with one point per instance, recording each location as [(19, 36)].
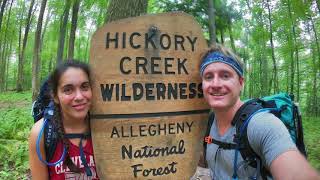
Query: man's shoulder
[(264, 119)]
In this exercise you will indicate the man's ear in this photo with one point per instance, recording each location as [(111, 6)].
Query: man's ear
[(241, 81)]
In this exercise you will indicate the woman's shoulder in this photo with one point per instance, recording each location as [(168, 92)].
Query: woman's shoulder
[(36, 128)]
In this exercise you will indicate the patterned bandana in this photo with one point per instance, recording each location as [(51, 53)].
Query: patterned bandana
[(219, 57)]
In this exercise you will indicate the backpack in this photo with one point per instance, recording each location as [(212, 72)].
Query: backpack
[(43, 107), (282, 106)]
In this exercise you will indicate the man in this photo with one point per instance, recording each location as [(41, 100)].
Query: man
[(222, 82)]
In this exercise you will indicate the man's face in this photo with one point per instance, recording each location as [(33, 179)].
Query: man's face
[(221, 86)]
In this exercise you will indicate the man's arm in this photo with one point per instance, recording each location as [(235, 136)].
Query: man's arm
[(270, 139), (292, 165)]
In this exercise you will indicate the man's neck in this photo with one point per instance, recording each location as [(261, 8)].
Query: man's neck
[(224, 117)]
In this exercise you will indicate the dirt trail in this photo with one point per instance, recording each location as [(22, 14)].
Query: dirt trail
[(17, 104)]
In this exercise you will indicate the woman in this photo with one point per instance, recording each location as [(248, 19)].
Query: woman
[(71, 93)]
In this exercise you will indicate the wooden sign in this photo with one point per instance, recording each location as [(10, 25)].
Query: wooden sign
[(149, 115)]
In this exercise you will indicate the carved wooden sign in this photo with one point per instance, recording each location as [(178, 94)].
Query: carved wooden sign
[(149, 115)]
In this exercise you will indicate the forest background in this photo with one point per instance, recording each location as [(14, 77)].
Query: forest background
[(278, 41)]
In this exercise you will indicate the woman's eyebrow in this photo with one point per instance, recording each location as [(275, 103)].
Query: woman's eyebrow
[(67, 85)]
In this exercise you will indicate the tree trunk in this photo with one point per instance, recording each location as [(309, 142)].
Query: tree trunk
[(5, 53), (24, 44), (231, 35), (318, 5), (119, 9), (275, 71), (316, 70), (296, 51), (292, 46), (316, 40), (222, 36), (212, 24), (36, 53), (86, 55), (3, 5), (74, 20), (45, 28), (292, 69), (7, 68), (264, 66), (63, 28)]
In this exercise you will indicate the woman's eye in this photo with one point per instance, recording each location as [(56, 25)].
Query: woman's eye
[(85, 86), (67, 90)]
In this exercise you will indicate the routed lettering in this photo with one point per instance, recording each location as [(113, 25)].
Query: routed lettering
[(150, 40), (150, 151), (150, 91), (138, 168), (138, 65), (151, 129)]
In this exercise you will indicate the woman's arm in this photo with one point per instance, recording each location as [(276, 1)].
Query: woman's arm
[(38, 169)]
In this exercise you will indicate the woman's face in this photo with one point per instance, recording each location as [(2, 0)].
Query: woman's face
[(221, 86), (74, 94)]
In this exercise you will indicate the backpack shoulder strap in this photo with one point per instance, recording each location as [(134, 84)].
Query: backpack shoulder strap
[(300, 139), (241, 117), (246, 151), (50, 140), (206, 136), (50, 132), (210, 122)]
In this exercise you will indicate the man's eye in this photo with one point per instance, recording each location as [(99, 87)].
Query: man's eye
[(225, 75), (207, 77)]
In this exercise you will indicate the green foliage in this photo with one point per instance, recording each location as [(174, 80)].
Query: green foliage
[(15, 124), (311, 127)]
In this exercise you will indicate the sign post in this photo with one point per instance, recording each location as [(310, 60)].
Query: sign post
[(148, 116)]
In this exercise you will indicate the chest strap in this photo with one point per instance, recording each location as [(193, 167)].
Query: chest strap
[(83, 159)]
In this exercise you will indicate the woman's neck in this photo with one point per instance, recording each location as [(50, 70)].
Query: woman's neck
[(76, 125)]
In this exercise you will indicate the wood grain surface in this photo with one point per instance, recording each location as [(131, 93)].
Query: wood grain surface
[(148, 116)]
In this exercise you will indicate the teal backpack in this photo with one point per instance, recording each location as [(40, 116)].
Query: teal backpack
[(282, 106)]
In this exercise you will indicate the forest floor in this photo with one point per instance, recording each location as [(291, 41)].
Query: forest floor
[(16, 122)]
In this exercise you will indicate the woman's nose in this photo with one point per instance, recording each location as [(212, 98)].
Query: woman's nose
[(78, 95)]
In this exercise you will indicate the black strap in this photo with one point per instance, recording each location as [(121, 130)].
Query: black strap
[(300, 139), (209, 124), (82, 156), (78, 135), (224, 145), (50, 140)]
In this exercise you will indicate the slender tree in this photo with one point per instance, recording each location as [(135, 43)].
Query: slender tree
[(63, 29), (5, 52), (316, 70), (24, 45), (36, 53), (318, 5), (74, 20), (231, 34), (275, 69), (3, 5), (212, 25)]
